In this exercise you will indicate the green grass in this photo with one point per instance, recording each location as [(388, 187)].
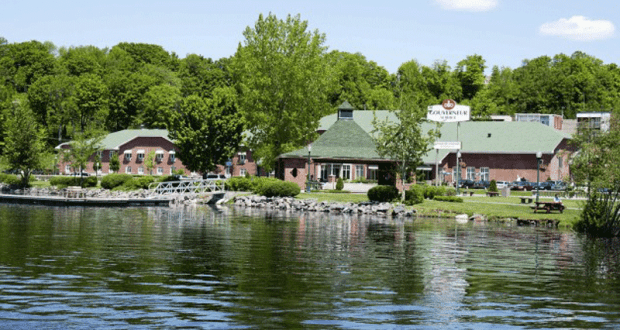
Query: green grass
[(40, 184)]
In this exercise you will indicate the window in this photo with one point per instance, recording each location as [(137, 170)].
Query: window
[(346, 172), (372, 172), (67, 168), (172, 169), (484, 173), (242, 172), (112, 154), (140, 170), (100, 154), (128, 155), (359, 171), (160, 170), (242, 158), (128, 169), (324, 172), (560, 162), (140, 155), (172, 158), (159, 156), (227, 171), (471, 173)]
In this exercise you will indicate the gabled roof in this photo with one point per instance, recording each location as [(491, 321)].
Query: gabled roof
[(114, 140), (476, 136), (345, 139)]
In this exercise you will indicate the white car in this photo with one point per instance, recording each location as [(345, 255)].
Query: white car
[(503, 184)]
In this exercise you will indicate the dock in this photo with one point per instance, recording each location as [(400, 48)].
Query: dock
[(84, 201)]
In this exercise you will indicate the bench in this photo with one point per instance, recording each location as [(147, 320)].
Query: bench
[(492, 193), (548, 206), (527, 199)]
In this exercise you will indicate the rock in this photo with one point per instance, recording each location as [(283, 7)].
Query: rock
[(461, 218)]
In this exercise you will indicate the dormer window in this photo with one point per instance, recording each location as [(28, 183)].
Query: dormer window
[(345, 115)]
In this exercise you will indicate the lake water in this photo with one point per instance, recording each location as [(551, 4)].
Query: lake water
[(143, 268)]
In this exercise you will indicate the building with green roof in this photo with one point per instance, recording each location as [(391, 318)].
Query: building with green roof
[(503, 151)]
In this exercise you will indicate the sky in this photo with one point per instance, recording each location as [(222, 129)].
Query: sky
[(390, 33)]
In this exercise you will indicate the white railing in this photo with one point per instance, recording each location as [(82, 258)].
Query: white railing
[(187, 187)]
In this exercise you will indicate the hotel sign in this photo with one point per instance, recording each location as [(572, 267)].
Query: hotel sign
[(448, 111), (448, 145)]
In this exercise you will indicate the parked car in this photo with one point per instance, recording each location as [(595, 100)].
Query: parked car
[(214, 177), (466, 183), (558, 185), (523, 185), (503, 184), (482, 184)]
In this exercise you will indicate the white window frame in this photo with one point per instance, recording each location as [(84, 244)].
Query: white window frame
[(242, 172), (172, 169), (484, 174), (111, 154), (140, 156), (242, 157), (128, 156), (160, 170), (141, 170), (172, 157), (347, 171), (67, 168), (128, 169), (227, 171), (471, 173), (359, 171)]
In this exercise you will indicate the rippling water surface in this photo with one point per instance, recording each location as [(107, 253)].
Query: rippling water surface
[(232, 268)]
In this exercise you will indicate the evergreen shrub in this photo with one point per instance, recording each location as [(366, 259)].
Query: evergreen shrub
[(339, 184), (493, 186), (238, 183), (114, 180), (65, 181), (279, 189), (382, 193), (135, 183), (415, 195)]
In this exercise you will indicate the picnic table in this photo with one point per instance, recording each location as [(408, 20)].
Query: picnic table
[(492, 193), (548, 206)]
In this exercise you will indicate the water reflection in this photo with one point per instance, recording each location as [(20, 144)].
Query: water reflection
[(229, 267)]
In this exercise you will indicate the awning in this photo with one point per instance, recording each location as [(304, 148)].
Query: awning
[(140, 151), (128, 152), (373, 167), (424, 168), (159, 152), (171, 152)]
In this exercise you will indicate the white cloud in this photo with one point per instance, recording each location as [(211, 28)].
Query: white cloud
[(579, 28), (468, 5)]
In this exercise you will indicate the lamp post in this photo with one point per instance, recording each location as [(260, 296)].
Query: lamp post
[(458, 171), (308, 174), (538, 161)]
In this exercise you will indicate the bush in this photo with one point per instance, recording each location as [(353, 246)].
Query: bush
[(599, 217), (259, 182), (279, 189), (340, 184), (114, 180), (452, 199), (493, 186), (450, 191), (10, 179), (415, 195), (382, 193), (336, 191), (65, 181), (142, 182), (431, 191), (239, 184)]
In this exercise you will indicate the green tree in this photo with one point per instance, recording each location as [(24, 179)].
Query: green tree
[(403, 141), (149, 162), (283, 80), (24, 148), (83, 147), (91, 103), (470, 73), (51, 99), (207, 131), (24, 63), (115, 164), (158, 106)]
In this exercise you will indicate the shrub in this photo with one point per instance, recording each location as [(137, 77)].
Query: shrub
[(65, 181), (415, 195), (493, 186), (336, 191), (114, 180), (239, 184), (450, 191), (142, 182), (382, 193), (431, 191), (259, 182), (279, 189), (452, 199), (10, 179), (340, 184)]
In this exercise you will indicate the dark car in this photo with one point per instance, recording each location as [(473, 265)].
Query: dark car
[(466, 183), (482, 184), (523, 185)]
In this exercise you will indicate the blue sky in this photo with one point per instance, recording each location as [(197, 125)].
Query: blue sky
[(503, 32)]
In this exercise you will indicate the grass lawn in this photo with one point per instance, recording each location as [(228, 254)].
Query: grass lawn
[(40, 184), (492, 207)]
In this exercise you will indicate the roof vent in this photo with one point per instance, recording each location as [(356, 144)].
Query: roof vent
[(345, 111)]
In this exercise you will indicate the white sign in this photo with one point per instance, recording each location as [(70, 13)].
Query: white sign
[(448, 111), (447, 145)]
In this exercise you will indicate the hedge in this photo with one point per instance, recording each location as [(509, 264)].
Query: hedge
[(10, 179), (382, 193), (279, 189), (239, 183), (65, 181), (142, 182), (114, 180), (452, 199), (415, 195)]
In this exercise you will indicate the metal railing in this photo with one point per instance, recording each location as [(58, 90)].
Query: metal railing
[(187, 187)]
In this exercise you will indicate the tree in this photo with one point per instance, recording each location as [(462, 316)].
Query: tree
[(24, 148), (91, 103), (115, 164), (207, 131), (83, 146), (470, 73), (149, 162), (282, 79), (403, 141)]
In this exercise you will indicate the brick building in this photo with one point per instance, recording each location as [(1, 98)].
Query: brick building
[(490, 150)]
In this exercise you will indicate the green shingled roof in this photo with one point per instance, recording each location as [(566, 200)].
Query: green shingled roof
[(114, 140), (476, 136), (344, 140)]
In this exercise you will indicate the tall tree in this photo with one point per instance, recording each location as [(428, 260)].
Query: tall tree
[(91, 103), (404, 141), (470, 73), (83, 147), (24, 148), (51, 99), (207, 131), (283, 80)]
